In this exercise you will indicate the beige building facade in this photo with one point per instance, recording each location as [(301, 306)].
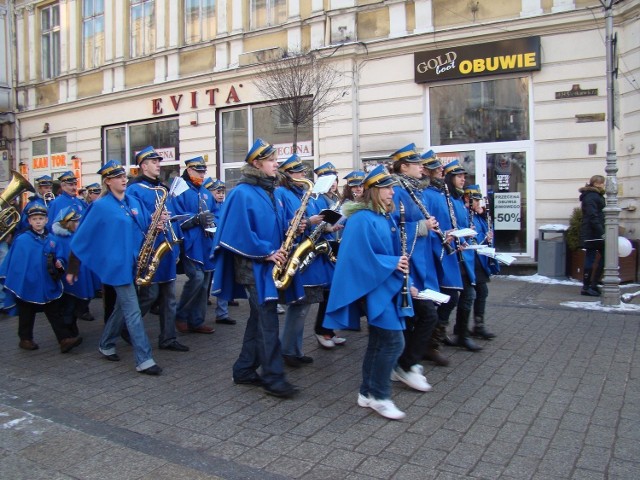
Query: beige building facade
[(516, 90)]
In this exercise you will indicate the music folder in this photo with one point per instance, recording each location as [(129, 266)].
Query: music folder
[(331, 216)]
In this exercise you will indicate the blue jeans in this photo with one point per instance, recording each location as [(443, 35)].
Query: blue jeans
[(167, 293), (127, 311), (383, 350), (261, 345), (293, 330), (193, 300), (222, 308)]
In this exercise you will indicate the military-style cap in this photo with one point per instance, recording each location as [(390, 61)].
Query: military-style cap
[(355, 178), (378, 177), (208, 183), (454, 168), (94, 188), (293, 164), (259, 150), (473, 191), (37, 209), (147, 153), (407, 153), (431, 160), (218, 185), (44, 181), (197, 163), (68, 214), (67, 177), (326, 169), (111, 169)]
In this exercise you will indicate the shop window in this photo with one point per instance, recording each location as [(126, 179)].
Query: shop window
[(143, 27), (92, 33), (267, 13), (49, 157), (240, 127), (200, 20), (480, 112), (122, 142), (50, 41)]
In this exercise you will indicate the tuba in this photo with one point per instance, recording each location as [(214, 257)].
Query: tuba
[(282, 275), (150, 256), (9, 216)]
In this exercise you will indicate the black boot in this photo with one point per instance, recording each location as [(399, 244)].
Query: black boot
[(462, 331), (443, 338), (479, 330), (587, 289), (433, 353)]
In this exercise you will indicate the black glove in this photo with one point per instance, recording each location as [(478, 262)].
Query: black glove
[(205, 218), (55, 273)]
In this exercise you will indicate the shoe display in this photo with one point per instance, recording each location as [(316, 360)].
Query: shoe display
[(363, 401), (28, 345), (325, 341), (386, 408), (338, 340), (152, 370), (202, 329), (287, 390), (226, 321), (66, 344), (174, 346), (255, 381), (414, 378)]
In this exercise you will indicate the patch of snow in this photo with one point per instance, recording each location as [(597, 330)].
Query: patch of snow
[(14, 422), (540, 279), (554, 227), (623, 307)]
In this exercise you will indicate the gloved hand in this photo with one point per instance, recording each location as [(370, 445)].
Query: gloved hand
[(205, 218)]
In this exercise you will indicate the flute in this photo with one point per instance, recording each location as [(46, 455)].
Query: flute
[(403, 247)]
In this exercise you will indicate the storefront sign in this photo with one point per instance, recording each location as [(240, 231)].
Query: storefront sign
[(506, 211), (285, 150), (507, 56), (192, 100), (576, 91)]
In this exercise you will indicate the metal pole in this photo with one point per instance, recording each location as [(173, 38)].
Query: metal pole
[(611, 280)]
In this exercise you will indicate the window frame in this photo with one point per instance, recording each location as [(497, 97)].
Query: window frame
[(50, 66), (202, 19), (148, 28), (92, 20), (271, 9)]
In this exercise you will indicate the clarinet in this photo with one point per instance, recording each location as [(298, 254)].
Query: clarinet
[(403, 247), (452, 216), (487, 209), (471, 225), (443, 238)]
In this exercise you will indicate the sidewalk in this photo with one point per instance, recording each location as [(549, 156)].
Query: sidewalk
[(555, 395)]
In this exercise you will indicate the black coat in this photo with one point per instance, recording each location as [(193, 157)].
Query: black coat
[(592, 203)]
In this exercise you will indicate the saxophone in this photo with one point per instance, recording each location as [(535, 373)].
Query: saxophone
[(149, 257), (282, 275)]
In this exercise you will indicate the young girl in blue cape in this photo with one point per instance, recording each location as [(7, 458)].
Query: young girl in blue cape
[(31, 273), (370, 267)]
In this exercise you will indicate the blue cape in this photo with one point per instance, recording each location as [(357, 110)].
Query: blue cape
[(24, 270), (251, 225), (366, 267), (489, 265), (61, 202), (24, 219), (109, 238), (88, 283), (468, 256)]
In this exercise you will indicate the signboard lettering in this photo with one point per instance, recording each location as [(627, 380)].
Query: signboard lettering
[(506, 211), (175, 103)]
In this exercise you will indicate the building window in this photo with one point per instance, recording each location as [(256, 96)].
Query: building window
[(49, 157), (240, 127), (200, 20), (50, 41), (122, 142), (143, 32), (480, 112), (92, 33), (266, 13)]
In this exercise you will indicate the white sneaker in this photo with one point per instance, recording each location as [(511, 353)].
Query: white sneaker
[(413, 378), (325, 342), (386, 408), (363, 401), (338, 340)]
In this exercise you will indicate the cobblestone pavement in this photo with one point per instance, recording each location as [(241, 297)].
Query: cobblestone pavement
[(556, 395)]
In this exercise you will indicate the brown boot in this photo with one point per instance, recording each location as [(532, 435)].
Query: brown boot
[(434, 355), (66, 344), (28, 345)]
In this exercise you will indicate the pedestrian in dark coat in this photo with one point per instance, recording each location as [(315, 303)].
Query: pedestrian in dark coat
[(592, 233)]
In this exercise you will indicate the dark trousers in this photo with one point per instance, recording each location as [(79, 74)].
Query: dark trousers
[(70, 305), (445, 309), (480, 303), (418, 332), (322, 308), (52, 310), (108, 300)]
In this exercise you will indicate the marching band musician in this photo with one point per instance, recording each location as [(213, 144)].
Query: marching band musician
[(197, 203), (407, 165), (31, 272), (370, 271), (66, 198), (353, 189), (454, 179), (163, 283), (247, 245), (484, 266), (326, 337), (447, 266), (93, 192), (108, 242), (43, 195)]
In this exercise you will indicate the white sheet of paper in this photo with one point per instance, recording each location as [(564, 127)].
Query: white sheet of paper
[(470, 246), (323, 184), (211, 229), (504, 258), (178, 187), (463, 232), (437, 297)]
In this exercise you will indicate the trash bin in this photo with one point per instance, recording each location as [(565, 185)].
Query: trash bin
[(552, 251)]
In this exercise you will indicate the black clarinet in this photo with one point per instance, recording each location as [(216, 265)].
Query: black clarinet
[(443, 238), (403, 248), (452, 216)]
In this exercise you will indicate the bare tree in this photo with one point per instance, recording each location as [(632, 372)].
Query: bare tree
[(303, 85)]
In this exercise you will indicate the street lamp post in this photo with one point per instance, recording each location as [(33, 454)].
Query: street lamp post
[(611, 280)]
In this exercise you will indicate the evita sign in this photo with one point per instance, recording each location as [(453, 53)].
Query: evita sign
[(507, 56)]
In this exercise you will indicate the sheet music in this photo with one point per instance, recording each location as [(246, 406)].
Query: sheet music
[(437, 297), (463, 232)]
